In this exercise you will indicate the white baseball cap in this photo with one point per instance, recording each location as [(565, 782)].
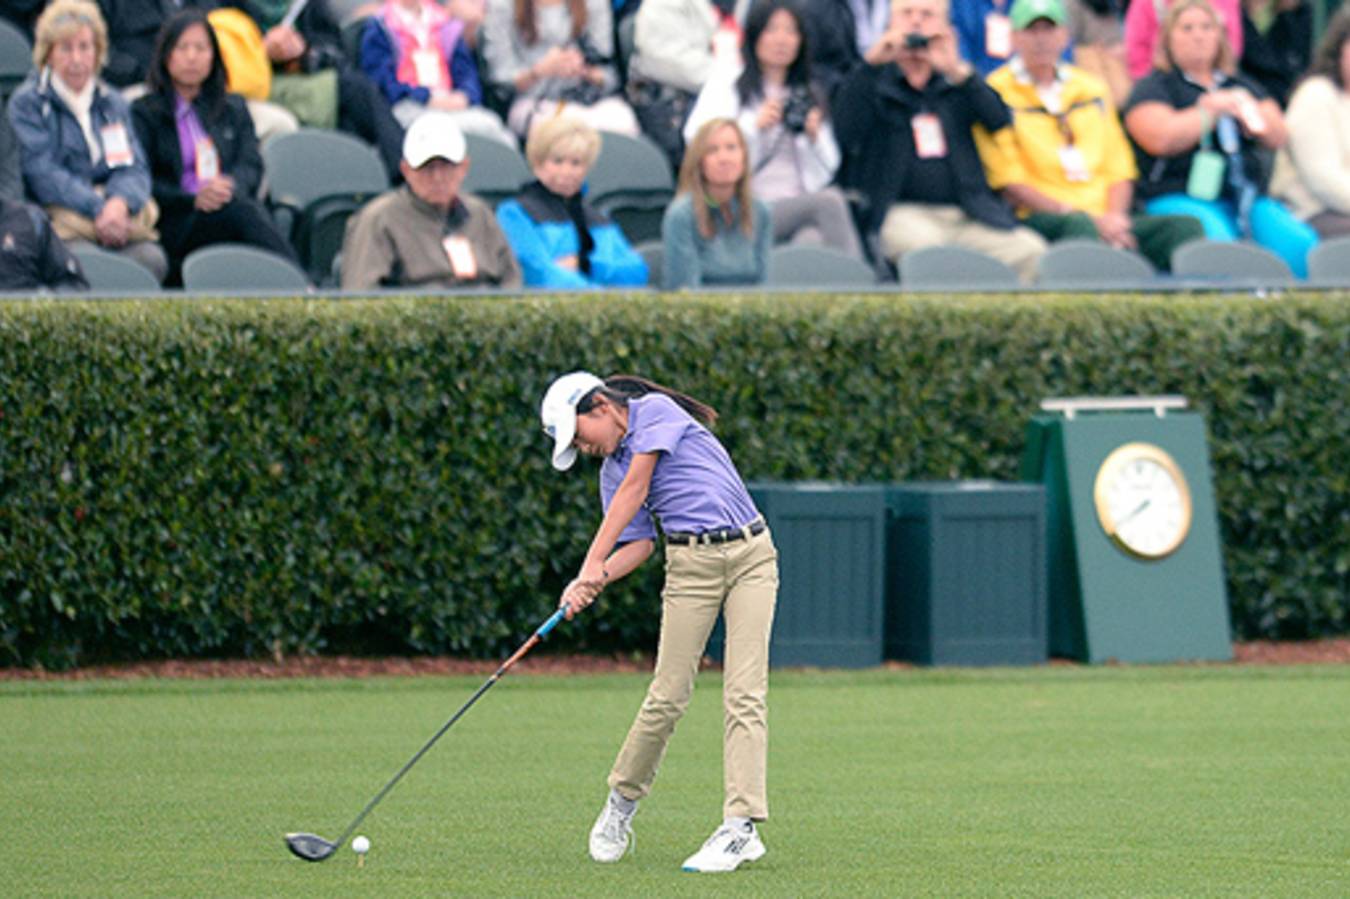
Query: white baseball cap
[(433, 135), (559, 412)]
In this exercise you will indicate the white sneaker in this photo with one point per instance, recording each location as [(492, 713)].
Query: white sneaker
[(612, 835), (726, 849)]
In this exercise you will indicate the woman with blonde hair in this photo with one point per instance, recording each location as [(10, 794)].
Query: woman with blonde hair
[(715, 232), (1199, 131), (77, 148), (560, 239)]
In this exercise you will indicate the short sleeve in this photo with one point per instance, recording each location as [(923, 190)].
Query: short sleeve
[(659, 427), (1151, 89)]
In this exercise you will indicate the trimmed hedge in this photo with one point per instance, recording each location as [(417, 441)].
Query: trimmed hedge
[(202, 478)]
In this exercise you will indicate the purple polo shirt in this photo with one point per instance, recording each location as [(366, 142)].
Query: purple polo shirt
[(695, 487)]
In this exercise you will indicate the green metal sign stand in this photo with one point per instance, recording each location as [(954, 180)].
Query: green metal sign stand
[(1135, 567)]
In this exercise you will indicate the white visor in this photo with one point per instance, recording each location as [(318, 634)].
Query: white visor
[(558, 412)]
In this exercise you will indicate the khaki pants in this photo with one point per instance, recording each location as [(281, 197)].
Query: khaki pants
[(913, 226), (740, 580)]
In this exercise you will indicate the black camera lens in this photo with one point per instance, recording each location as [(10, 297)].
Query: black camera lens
[(916, 41), (796, 109)]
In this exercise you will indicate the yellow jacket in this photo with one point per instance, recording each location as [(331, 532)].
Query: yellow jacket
[(1030, 151)]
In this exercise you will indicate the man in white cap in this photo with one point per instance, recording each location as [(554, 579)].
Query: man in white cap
[(428, 233)]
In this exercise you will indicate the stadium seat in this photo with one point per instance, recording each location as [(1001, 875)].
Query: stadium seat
[(1089, 263), (16, 59), (816, 267), (1329, 262), (632, 184), (233, 266), (316, 180), (1238, 262), (496, 171), (111, 273), (954, 268), (652, 253)]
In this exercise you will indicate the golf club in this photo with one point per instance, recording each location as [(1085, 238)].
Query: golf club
[(314, 848)]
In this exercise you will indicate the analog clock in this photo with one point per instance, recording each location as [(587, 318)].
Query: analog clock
[(1142, 500)]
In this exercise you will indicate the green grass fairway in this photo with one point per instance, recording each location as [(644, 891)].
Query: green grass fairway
[(1166, 781)]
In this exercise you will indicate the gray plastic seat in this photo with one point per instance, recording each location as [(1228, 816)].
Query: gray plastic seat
[(1239, 263), (1089, 263), (811, 266), (315, 180), (233, 266), (954, 268), (1329, 262), (113, 273), (496, 172), (653, 252), (631, 182), (16, 58)]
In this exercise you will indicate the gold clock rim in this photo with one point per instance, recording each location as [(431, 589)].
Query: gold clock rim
[(1113, 460)]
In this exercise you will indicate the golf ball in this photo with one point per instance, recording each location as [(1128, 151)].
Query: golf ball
[(360, 845)]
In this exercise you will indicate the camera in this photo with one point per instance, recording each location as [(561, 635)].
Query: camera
[(916, 41), (798, 105)]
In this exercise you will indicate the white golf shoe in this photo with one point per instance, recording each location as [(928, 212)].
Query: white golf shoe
[(612, 835), (726, 849)]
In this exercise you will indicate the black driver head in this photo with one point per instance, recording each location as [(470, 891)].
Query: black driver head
[(311, 847)]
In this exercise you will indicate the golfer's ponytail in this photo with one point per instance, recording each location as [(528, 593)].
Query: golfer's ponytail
[(622, 388)]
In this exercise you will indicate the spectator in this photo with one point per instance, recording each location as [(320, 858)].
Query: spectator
[(80, 156), (1065, 164), (1187, 171), (1142, 31), (559, 238), (839, 32), (11, 172), (1277, 38), (715, 232), (554, 55), (427, 233), (1312, 171), (984, 32), (678, 44), (784, 118), (905, 119), (203, 153), (1097, 35), (419, 56), (315, 81), (31, 255)]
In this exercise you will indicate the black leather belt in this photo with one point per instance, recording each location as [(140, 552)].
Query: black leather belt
[(725, 535)]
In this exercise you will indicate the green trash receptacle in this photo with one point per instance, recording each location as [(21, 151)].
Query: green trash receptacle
[(831, 541), (966, 577)]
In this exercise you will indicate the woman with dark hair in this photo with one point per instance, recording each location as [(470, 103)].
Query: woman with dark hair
[(1312, 172), (203, 153), (785, 120), (663, 464), (715, 232), (555, 57)]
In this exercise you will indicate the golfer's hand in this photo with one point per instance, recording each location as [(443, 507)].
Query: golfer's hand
[(580, 594)]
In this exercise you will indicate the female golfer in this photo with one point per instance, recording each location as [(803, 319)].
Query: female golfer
[(661, 460)]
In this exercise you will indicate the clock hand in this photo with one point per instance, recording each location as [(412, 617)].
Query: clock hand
[(1141, 507)]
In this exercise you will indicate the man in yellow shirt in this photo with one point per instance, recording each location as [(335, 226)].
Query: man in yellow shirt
[(1065, 165)]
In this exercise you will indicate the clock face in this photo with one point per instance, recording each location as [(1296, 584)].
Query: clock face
[(1142, 500)]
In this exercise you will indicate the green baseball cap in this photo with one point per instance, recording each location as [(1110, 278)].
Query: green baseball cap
[(1024, 12)]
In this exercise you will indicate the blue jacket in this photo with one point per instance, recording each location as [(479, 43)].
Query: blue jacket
[(55, 158), (379, 60), (540, 229)]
